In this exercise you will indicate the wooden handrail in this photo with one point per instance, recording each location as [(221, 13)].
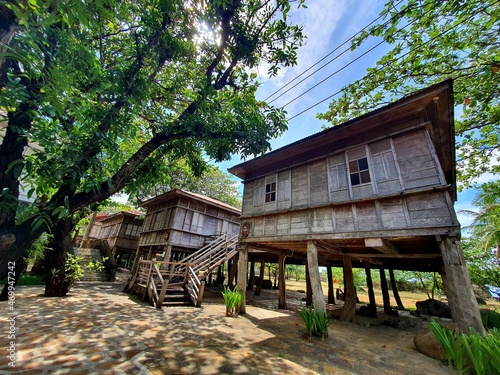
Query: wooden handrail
[(160, 273)]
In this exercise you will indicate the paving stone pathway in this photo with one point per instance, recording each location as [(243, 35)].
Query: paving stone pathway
[(97, 329)]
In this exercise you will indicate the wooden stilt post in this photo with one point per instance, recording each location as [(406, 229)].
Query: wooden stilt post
[(395, 290), (232, 273), (281, 282), (258, 288), (309, 296), (251, 278), (349, 292), (331, 294), (133, 271), (458, 288), (385, 292), (149, 256), (372, 306), (317, 290), (242, 274)]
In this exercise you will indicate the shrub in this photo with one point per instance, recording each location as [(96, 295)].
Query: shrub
[(233, 300), (490, 318), (31, 280), (316, 322), (470, 354)]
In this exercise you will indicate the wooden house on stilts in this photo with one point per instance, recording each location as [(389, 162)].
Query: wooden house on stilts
[(376, 192), (185, 236)]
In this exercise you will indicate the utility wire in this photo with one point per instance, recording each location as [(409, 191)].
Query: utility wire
[(345, 66), (391, 62), (323, 58)]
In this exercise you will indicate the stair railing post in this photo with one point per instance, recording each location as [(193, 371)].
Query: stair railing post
[(200, 294), (148, 278)]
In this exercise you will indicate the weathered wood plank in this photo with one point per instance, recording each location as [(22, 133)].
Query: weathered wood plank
[(318, 183), (349, 292), (300, 187), (312, 265), (382, 245), (458, 288)]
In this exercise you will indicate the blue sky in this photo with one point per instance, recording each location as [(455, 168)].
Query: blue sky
[(328, 24)]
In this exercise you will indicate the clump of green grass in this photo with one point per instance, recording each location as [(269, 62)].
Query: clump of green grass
[(470, 354), (316, 322), (233, 300)]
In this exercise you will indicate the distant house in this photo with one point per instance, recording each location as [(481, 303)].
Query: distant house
[(121, 232), (375, 192), (178, 223)]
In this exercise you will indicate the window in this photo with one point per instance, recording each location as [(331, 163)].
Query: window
[(358, 171), (271, 192)]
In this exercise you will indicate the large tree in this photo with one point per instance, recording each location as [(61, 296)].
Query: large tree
[(102, 86), (432, 41), (485, 226), (176, 174)]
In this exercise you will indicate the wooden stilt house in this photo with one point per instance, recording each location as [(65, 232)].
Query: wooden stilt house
[(376, 192), (185, 236), (121, 231)]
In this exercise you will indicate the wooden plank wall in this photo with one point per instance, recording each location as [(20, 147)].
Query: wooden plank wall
[(416, 211), (189, 223), (397, 165)]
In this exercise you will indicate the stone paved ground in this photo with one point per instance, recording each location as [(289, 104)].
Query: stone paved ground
[(97, 329)]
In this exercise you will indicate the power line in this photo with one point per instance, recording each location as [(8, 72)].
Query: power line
[(345, 66), (390, 62), (323, 58)]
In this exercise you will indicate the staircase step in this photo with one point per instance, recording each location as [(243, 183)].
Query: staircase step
[(177, 303)]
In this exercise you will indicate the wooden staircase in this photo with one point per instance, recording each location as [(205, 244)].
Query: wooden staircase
[(181, 283)]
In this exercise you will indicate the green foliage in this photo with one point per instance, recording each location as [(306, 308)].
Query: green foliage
[(490, 318), (31, 280), (441, 40), (427, 282), (470, 354), (233, 300), (177, 174), (107, 92), (97, 265), (73, 270), (316, 322), (482, 263)]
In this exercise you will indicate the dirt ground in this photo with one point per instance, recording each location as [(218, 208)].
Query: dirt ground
[(97, 329)]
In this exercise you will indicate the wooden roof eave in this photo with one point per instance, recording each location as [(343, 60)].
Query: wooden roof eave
[(413, 106)]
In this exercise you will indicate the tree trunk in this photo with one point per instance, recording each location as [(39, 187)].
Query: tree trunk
[(19, 268), (58, 281)]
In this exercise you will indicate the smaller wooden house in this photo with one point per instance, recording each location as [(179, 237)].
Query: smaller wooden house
[(178, 223), (121, 232)]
